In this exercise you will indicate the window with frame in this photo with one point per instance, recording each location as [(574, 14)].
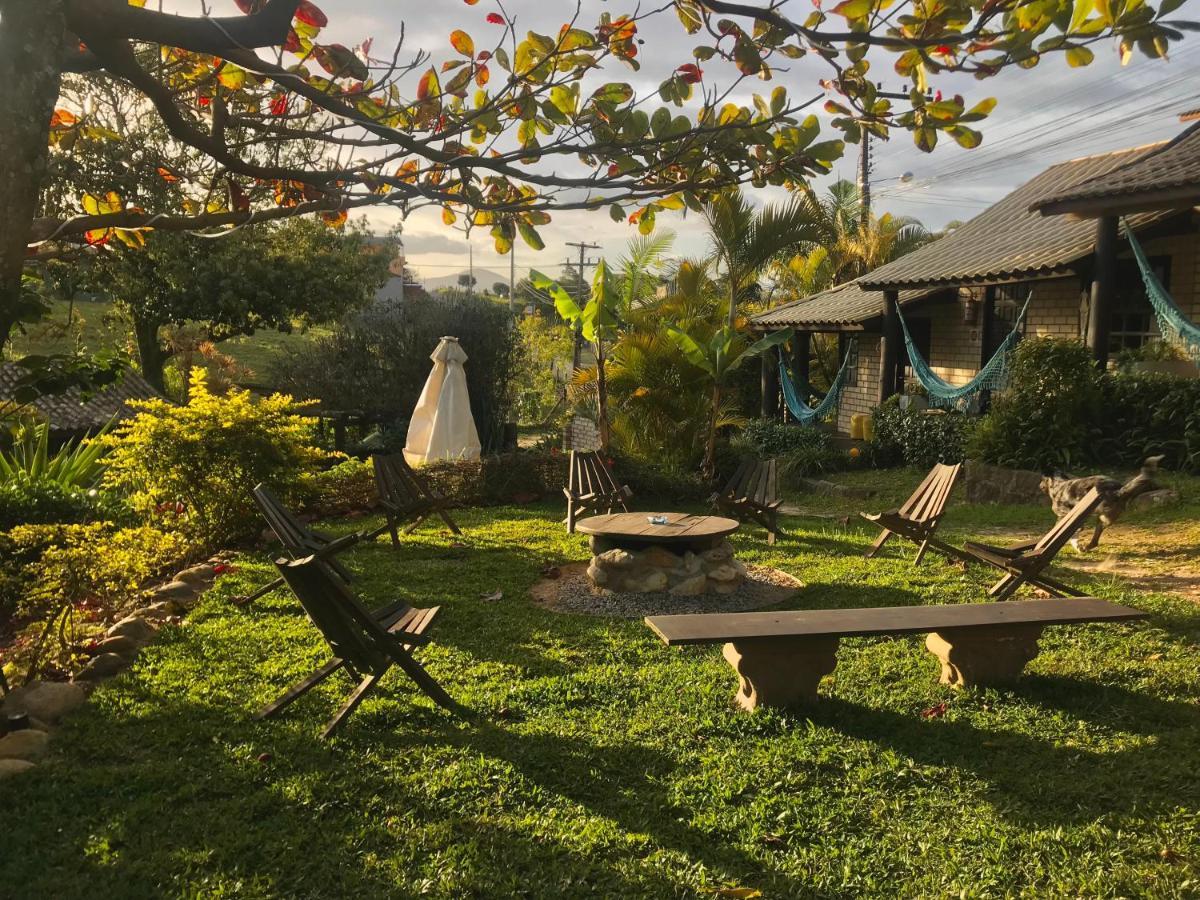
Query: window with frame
[(1132, 324), (848, 345)]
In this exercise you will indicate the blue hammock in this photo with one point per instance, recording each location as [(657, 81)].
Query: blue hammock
[(793, 395), (992, 376), (1174, 325)]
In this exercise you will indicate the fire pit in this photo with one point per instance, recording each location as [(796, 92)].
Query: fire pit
[(676, 553)]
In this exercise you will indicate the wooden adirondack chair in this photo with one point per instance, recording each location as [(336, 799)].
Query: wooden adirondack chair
[(920, 515), (753, 495), (591, 487), (406, 497), (1028, 562), (298, 540), (365, 644)]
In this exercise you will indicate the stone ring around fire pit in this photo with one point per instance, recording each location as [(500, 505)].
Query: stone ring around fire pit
[(686, 556)]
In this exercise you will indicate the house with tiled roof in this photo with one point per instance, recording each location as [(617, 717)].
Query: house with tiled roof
[(1057, 240), (72, 414)]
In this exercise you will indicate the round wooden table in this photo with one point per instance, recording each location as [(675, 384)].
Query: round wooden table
[(633, 531), (686, 555)]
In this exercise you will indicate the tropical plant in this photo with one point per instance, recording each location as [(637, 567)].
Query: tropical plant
[(73, 465), (745, 241), (196, 465), (596, 321)]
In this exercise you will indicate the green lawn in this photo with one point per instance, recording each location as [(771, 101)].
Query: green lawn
[(98, 326), (604, 764)]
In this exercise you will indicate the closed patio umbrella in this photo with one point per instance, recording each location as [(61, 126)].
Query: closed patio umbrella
[(441, 427)]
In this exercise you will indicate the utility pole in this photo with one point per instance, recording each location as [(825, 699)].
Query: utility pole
[(864, 154), (512, 278), (584, 247)]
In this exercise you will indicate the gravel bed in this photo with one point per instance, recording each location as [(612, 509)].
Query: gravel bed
[(573, 592)]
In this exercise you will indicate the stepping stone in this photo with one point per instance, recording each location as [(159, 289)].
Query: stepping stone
[(176, 590), (121, 644), (14, 767), (105, 665), (48, 701), (26, 744), (134, 627), (197, 575)]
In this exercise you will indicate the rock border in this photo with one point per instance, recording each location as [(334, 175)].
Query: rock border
[(44, 704)]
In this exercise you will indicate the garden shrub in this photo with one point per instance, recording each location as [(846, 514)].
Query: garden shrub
[(40, 502), (1048, 416), (377, 360), (202, 460), (667, 484), (347, 486), (919, 438), (48, 570), (496, 479), (801, 449), (1146, 414)]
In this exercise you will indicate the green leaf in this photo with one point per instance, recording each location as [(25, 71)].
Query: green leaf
[(616, 213), (564, 303), (615, 93), (692, 351), (530, 236), (1079, 56)]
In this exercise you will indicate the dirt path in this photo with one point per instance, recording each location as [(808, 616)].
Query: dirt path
[(1161, 558)]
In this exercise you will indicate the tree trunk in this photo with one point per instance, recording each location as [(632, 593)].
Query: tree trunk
[(602, 395), (150, 352), (31, 48), (709, 469)]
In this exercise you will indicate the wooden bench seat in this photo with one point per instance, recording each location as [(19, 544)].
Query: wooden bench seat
[(782, 656)]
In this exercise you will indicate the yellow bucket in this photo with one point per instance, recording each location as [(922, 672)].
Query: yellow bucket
[(856, 426)]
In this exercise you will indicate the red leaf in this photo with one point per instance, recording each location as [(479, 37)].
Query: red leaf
[(614, 170), (279, 105), (310, 14), (203, 100), (470, 2), (62, 118), (934, 712), (249, 7), (495, 19), (483, 56), (167, 175), (690, 73), (237, 197), (292, 44)]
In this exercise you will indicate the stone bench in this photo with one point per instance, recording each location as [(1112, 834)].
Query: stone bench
[(782, 656)]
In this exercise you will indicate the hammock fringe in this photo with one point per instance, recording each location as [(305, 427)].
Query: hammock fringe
[(1175, 327), (801, 411)]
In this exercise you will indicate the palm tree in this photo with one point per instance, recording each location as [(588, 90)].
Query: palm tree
[(745, 241)]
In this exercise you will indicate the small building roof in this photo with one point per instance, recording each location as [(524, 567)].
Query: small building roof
[(842, 308), (69, 412), (1008, 241), (1164, 177)]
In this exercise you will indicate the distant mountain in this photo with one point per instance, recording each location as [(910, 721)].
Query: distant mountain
[(484, 279)]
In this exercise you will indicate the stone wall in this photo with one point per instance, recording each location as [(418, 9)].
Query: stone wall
[(689, 574), (581, 434)]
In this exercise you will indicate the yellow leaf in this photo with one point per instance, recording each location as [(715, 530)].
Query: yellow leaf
[(448, 216)]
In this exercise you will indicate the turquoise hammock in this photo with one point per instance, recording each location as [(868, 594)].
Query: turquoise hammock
[(1174, 325), (993, 376), (793, 395)]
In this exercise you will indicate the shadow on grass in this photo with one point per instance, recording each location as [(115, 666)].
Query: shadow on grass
[(1040, 783)]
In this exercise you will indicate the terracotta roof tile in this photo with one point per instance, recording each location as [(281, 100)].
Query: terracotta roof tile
[(1008, 241), (845, 305)]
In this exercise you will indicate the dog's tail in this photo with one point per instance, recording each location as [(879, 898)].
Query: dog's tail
[(1143, 482)]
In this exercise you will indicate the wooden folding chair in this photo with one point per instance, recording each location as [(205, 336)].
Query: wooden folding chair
[(298, 540), (365, 644), (918, 519), (752, 495), (1028, 562), (591, 487), (406, 497)]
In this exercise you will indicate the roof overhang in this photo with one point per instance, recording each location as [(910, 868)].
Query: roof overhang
[(1015, 276), (1179, 199)]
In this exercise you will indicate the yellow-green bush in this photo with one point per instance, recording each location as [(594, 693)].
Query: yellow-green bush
[(197, 464)]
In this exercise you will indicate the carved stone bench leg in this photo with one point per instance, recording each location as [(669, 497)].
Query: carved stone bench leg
[(984, 656), (780, 671)]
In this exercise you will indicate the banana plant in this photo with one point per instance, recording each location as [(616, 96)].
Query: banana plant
[(716, 357), (597, 320)]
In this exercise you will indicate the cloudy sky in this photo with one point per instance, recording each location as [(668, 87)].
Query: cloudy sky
[(1045, 115)]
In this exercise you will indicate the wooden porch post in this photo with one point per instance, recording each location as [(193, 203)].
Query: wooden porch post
[(987, 336), (889, 345), (1104, 289), (770, 387), (801, 351)]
